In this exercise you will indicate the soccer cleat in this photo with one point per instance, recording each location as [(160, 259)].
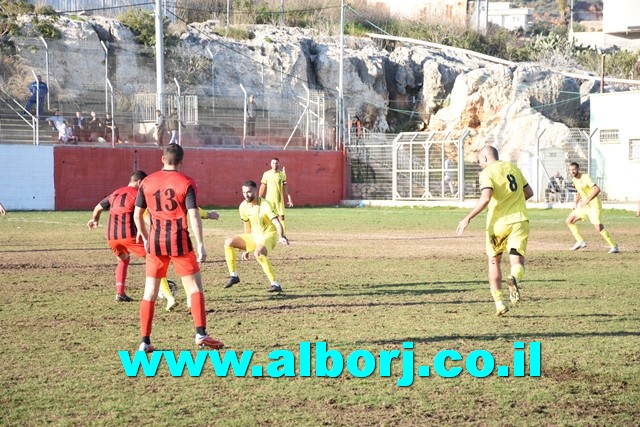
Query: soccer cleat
[(514, 290), (614, 250), (275, 288), (232, 281), (501, 309), (579, 245), (147, 348), (171, 304), (205, 341), (123, 298)]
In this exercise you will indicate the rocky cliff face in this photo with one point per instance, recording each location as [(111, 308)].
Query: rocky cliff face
[(510, 106)]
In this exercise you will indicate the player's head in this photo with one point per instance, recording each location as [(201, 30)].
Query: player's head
[(574, 169), (173, 155), (275, 163), (137, 176), (249, 191), (487, 155)]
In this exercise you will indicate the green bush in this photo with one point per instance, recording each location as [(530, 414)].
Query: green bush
[(142, 25)]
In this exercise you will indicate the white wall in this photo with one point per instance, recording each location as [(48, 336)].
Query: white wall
[(610, 164), (618, 15), (26, 175)]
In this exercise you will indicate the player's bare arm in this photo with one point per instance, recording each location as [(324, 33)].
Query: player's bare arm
[(281, 237), (482, 203), (93, 222), (196, 224)]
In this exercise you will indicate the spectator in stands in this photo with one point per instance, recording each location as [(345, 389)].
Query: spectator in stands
[(110, 129), (449, 169), (161, 127), (38, 90), (173, 125), (252, 108), (68, 137), (56, 122), (79, 127), (95, 127)]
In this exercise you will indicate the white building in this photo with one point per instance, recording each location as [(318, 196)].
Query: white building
[(615, 147), (502, 14), (620, 26)]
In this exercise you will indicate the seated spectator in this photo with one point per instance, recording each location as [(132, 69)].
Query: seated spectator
[(110, 128), (95, 127), (68, 137), (80, 128)]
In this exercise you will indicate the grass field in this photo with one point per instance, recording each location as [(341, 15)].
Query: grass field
[(369, 279)]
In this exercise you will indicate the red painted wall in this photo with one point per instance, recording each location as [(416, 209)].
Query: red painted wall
[(85, 175)]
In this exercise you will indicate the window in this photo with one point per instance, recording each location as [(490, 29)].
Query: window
[(609, 136), (634, 149)]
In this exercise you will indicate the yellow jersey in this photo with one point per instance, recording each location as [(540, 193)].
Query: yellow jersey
[(507, 204), (259, 216), (584, 185), (275, 182)]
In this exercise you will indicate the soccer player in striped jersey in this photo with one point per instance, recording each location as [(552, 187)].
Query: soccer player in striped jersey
[(504, 192), (262, 229), (121, 229), (170, 198)]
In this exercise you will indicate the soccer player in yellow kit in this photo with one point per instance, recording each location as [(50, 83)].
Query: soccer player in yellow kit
[(273, 187), (262, 229), (504, 191), (587, 204)]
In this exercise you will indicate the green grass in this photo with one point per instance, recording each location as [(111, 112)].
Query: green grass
[(356, 278)]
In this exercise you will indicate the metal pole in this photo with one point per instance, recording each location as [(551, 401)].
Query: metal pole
[(35, 122), (213, 81), (244, 115), (538, 167), (113, 118), (179, 112), (106, 76), (340, 123), (46, 58), (282, 19), (571, 23), (228, 7), (589, 151), (306, 127), (159, 57)]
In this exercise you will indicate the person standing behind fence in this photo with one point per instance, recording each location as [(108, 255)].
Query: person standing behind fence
[(95, 127), (587, 204), (251, 116), (173, 125), (505, 191), (38, 90), (161, 128), (110, 129)]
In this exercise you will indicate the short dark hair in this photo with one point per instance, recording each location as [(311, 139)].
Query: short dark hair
[(174, 154), (276, 159), (250, 183), (137, 176), (575, 164)]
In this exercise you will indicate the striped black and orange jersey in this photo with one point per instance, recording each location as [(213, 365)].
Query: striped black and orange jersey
[(168, 195), (120, 205)]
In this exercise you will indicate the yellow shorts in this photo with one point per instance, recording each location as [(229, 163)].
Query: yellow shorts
[(267, 240), (593, 213), (505, 237)]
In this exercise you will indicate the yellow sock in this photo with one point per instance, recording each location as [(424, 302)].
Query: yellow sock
[(607, 238), (517, 271), (497, 295), (230, 257), (166, 290), (267, 267), (576, 233)]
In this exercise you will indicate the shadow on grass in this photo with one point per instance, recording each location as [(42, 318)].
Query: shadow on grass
[(509, 336)]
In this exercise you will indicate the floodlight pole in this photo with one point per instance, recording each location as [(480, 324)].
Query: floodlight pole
[(106, 76), (213, 81), (179, 112), (228, 8), (159, 57), (340, 124), (46, 59), (244, 115), (113, 118)]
